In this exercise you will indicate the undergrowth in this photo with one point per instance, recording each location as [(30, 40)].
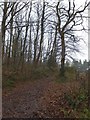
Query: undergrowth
[(78, 102), (28, 73)]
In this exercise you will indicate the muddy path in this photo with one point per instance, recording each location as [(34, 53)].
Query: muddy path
[(24, 100), (42, 98)]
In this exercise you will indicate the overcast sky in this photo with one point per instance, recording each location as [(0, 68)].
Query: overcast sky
[(83, 46)]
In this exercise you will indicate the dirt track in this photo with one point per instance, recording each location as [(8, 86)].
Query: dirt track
[(24, 100), (34, 99)]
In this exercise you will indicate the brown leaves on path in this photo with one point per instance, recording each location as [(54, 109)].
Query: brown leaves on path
[(42, 98)]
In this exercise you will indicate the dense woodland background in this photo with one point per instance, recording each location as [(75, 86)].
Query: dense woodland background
[(40, 41)]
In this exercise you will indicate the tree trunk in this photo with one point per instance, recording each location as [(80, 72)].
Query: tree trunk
[(42, 32), (11, 33), (3, 29), (62, 69), (30, 46), (35, 42), (26, 34)]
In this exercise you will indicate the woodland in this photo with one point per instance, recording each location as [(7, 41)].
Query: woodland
[(41, 76)]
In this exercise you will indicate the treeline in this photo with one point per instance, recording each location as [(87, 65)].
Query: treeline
[(38, 32), (79, 65), (82, 66)]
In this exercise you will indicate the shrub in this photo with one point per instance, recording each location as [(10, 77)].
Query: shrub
[(70, 73)]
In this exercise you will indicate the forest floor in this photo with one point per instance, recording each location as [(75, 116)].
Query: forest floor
[(43, 98)]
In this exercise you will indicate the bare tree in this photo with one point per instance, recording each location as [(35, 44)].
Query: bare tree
[(26, 32), (11, 31), (67, 21), (42, 32), (31, 25), (37, 34), (3, 28)]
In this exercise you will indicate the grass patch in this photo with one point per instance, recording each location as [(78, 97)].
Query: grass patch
[(8, 79), (85, 113), (8, 83)]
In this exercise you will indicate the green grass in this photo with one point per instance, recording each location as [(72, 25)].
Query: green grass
[(8, 83)]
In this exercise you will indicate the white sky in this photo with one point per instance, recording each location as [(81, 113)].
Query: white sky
[(84, 47), (84, 35)]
